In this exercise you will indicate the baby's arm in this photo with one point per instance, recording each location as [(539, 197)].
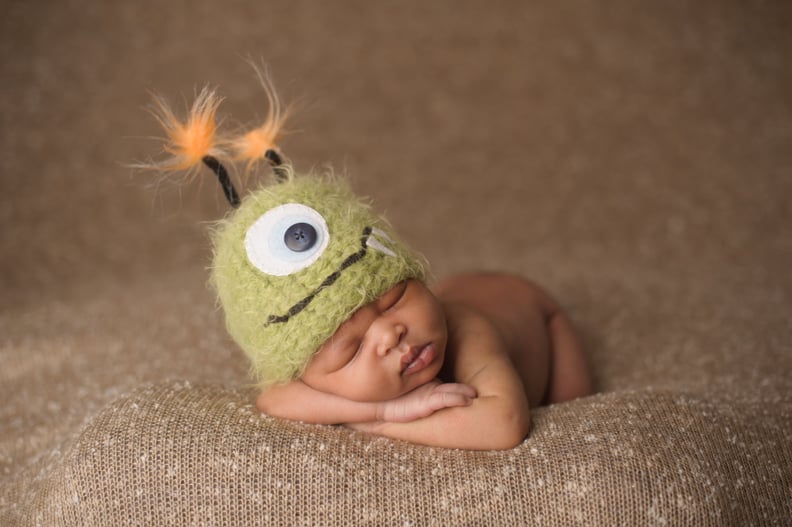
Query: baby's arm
[(300, 402), (499, 418)]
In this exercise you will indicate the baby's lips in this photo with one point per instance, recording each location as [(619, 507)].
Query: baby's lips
[(407, 358), (417, 358)]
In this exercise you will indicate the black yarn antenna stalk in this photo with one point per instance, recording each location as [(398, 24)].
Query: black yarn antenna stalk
[(225, 181), (276, 161)]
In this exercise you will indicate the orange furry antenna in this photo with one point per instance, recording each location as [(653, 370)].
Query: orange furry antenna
[(260, 143), (195, 141)]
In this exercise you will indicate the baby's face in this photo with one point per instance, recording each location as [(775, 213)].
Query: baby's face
[(387, 348)]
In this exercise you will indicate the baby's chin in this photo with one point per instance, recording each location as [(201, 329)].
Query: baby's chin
[(427, 375)]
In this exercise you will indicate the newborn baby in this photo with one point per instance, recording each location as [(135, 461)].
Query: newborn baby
[(455, 366), (334, 314)]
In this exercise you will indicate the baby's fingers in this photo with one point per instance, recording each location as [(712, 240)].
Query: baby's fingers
[(442, 400), (458, 388)]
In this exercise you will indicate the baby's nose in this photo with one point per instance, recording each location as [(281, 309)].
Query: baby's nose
[(391, 338)]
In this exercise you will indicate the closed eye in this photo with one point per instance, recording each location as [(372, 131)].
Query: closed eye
[(348, 339), (393, 297), (337, 354), (350, 357)]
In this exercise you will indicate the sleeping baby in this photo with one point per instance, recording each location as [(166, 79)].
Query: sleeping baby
[(340, 325)]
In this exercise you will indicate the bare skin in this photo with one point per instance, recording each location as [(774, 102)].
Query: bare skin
[(538, 336), (459, 366)]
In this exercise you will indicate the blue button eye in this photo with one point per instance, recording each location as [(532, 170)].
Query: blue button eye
[(286, 239), (300, 237)]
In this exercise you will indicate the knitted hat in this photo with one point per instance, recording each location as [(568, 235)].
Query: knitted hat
[(295, 261)]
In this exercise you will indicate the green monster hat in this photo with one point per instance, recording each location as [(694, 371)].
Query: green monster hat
[(294, 262), (295, 259)]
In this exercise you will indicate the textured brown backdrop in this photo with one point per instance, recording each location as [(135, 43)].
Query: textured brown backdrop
[(634, 158)]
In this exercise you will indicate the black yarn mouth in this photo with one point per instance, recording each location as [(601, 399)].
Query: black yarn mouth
[(327, 282)]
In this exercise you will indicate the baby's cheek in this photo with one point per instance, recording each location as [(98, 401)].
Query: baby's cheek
[(376, 388)]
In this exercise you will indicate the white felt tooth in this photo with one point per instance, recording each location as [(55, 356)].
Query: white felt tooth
[(375, 244), (381, 234)]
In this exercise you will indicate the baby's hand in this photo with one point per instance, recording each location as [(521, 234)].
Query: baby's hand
[(426, 400)]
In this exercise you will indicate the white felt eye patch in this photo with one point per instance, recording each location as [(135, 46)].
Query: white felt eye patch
[(286, 239)]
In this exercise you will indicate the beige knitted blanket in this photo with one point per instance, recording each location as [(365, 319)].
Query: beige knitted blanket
[(633, 159)]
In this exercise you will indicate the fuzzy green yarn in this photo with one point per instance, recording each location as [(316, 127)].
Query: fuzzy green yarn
[(252, 298)]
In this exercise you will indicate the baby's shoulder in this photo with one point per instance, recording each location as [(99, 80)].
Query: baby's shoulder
[(465, 317), (471, 332)]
